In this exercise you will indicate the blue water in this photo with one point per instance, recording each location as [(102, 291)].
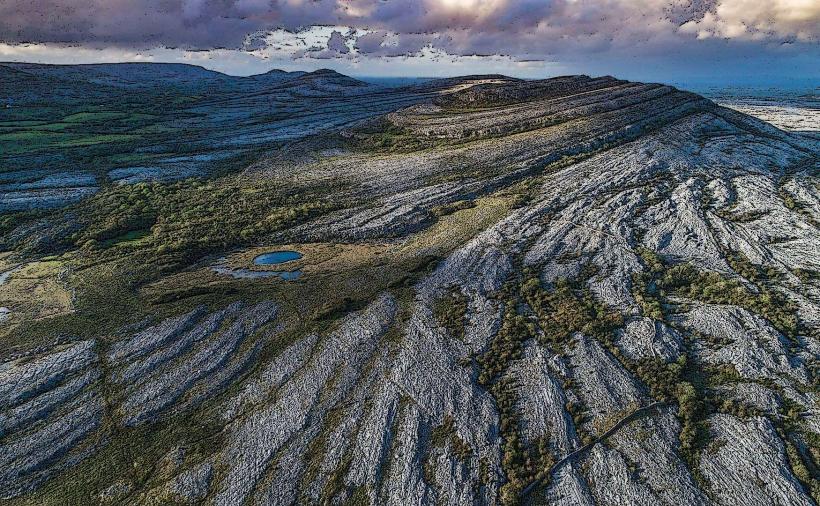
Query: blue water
[(277, 257)]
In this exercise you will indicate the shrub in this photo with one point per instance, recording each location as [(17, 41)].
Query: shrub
[(712, 288), (515, 329), (561, 312), (450, 311)]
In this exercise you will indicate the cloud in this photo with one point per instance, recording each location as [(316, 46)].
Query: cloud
[(532, 25), (574, 32), (337, 43), (784, 20)]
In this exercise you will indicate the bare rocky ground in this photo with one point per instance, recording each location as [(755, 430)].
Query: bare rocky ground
[(794, 114), (641, 325)]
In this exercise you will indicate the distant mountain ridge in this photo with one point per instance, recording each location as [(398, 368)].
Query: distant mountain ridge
[(138, 75)]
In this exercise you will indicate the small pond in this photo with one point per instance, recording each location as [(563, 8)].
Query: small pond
[(277, 257)]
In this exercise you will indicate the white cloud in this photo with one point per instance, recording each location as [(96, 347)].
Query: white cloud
[(51, 53), (759, 20)]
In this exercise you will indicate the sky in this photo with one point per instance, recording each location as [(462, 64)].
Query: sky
[(690, 42)]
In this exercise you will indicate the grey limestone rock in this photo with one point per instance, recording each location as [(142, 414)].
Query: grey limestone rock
[(747, 464)]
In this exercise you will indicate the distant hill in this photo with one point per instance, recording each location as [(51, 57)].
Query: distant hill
[(126, 75), (174, 75)]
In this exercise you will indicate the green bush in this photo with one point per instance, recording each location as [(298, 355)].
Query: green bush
[(192, 218), (562, 312), (712, 288), (798, 465), (521, 464), (645, 295), (507, 345), (450, 311)]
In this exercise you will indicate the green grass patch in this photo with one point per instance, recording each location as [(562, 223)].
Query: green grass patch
[(97, 117), (132, 237), (21, 124), (88, 140)]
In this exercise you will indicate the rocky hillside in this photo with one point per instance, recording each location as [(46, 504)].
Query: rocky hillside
[(68, 130), (571, 291)]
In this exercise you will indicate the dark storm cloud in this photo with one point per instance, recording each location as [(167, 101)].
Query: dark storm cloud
[(337, 43)]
